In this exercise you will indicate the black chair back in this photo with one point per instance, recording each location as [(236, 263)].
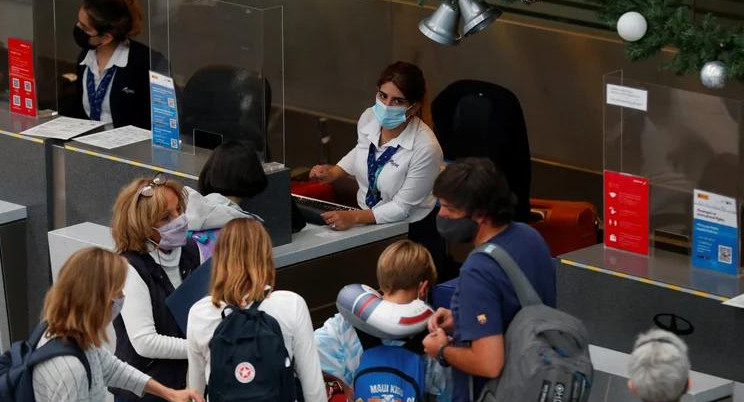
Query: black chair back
[(482, 119)]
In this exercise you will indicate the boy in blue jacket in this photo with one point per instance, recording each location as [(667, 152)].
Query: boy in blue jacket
[(405, 273)]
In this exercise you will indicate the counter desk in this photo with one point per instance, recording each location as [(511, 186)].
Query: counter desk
[(619, 295), (25, 179), (316, 264)]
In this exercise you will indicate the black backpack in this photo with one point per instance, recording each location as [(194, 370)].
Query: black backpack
[(17, 364), (546, 350), (248, 359)]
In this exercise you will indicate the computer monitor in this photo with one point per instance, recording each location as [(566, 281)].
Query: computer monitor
[(207, 139)]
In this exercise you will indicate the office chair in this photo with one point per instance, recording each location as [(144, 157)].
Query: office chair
[(481, 119), (228, 100)]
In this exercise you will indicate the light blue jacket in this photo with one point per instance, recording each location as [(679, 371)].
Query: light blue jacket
[(340, 351)]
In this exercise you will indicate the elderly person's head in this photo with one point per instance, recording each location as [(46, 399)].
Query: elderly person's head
[(659, 367)]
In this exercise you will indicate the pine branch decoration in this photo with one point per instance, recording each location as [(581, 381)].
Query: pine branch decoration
[(671, 23)]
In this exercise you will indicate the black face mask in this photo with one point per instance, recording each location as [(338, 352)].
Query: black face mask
[(461, 230), (82, 39)]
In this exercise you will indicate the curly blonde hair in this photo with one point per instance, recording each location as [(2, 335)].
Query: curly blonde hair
[(135, 215)]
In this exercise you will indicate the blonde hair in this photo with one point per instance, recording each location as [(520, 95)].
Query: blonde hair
[(404, 265), (242, 263), (135, 215), (78, 305)]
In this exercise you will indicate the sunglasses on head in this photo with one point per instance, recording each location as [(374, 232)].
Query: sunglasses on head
[(148, 190)]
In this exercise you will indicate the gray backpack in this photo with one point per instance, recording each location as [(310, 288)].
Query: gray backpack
[(546, 350)]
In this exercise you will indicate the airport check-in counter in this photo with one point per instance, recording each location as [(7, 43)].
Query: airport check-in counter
[(13, 320), (316, 264), (619, 295)]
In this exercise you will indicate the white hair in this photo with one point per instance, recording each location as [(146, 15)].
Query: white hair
[(659, 367)]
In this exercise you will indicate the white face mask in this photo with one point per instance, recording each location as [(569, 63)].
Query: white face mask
[(117, 306)]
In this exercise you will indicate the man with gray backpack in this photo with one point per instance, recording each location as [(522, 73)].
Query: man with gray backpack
[(502, 336)]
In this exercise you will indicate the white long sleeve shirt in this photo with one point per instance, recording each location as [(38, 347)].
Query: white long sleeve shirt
[(293, 316), (63, 379), (406, 181), (120, 58), (137, 311)]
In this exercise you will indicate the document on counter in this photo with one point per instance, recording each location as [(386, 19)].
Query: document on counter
[(715, 233), (737, 301), (63, 128), (117, 137)]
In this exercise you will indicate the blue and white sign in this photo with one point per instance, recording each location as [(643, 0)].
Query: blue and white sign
[(164, 111), (715, 233)]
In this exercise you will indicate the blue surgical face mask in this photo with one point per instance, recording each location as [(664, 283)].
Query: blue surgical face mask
[(173, 234), (389, 117)]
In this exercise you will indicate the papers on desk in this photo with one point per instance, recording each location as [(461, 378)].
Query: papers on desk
[(63, 128), (737, 301), (117, 137)]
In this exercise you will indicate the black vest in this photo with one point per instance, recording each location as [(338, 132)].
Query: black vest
[(169, 372)]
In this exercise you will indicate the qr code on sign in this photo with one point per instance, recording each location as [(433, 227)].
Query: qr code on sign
[(724, 254)]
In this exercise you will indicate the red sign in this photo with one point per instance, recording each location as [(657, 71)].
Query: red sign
[(21, 77), (626, 212)]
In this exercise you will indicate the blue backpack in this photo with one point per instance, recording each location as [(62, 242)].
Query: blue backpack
[(389, 373), (248, 359), (17, 364)]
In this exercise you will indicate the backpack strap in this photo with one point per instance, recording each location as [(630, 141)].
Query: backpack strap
[(525, 292), (59, 347)]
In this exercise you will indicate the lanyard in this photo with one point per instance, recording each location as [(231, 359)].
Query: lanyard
[(374, 167), (96, 95)]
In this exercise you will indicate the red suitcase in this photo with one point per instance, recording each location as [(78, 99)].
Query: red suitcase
[(565, 225)]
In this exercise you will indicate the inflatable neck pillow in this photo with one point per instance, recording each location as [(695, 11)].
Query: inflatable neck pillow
[(365, 309)]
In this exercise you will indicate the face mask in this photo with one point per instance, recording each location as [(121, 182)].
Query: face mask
[(460, 230), (82, 39), (116, 308), (173, 234), (389, 116)]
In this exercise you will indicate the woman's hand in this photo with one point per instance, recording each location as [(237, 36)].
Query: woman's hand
[(325, 173), (185, 395), (340, 220)]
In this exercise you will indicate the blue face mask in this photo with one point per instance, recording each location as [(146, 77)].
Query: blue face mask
[(389, 116)]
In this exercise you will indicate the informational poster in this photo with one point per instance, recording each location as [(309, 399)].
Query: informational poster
[(626, 212), (715, 233), (21, 77), (164, 112)]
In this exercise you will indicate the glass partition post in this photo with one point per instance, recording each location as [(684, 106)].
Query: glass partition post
[(683, 141), (227, 64)]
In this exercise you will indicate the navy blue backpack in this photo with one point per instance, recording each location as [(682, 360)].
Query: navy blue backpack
[(389, 373), (249, 361), (17, 364)]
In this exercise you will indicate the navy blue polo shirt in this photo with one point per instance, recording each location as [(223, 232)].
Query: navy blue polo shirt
[(484, 301)]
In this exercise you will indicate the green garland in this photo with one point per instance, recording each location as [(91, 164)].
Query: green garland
[(670, 23)]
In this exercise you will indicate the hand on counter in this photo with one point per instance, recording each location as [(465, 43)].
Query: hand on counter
[(343, 220)]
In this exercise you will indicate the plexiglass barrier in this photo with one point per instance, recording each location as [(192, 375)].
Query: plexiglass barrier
[(227, 63), (682, 141)]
